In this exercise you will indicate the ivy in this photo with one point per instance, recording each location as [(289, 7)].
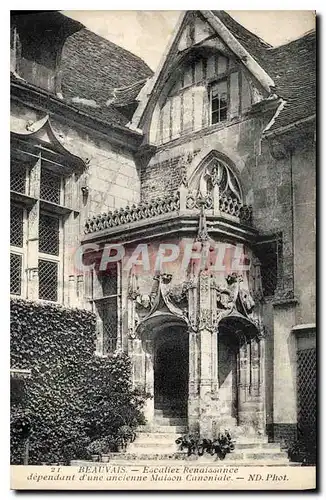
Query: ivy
[(73, 396)]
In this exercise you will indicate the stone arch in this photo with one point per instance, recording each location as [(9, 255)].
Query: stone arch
[(215, 163), (241, 372), (164, 340)]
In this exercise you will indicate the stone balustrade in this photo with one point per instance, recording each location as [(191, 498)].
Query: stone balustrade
[(178, 201)]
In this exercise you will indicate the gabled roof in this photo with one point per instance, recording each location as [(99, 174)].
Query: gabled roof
[(292, 67), (251, 42), (289, 70), (92, 67)]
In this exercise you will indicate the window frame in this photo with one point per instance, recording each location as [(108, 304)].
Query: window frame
[(54, 258), (210, 89), (99, 299), (22, 251)]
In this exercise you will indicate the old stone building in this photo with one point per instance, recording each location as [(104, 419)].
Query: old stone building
[(192, 192)]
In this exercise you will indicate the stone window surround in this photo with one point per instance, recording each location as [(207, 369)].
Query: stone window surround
[(33, 206)]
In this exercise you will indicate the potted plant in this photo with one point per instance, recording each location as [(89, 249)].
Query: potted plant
[(95, 449), (125, 435), (190, 442), (109, 445), (223, 444)]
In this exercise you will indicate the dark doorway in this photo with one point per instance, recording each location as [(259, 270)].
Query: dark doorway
[(228, 348), (171, 371)]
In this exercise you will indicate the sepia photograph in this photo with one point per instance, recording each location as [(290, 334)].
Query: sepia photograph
[(163, 250)]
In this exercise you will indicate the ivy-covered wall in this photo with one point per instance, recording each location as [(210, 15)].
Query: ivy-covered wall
[(73, 397)]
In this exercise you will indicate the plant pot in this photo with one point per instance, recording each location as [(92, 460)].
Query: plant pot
[(105, 458), (95, 458)]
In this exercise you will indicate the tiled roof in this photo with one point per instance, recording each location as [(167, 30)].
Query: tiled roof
[(251, 42), (92, 67), (292, 67), (127, 95)]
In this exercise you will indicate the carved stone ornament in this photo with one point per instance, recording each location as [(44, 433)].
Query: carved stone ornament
[(183, 165), (205, 320), (234, 296)]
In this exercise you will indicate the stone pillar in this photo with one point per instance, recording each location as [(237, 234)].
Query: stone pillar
[(285, 387), (205, 386), (33, 231), (244, 380), (261, 409), (216, 199), (254, 367), (214, 355), (149, 381), (193, 401), (183, 192), (208, 412), (137, 356)]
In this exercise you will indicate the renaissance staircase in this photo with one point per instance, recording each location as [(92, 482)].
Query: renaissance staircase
[(156, 442)]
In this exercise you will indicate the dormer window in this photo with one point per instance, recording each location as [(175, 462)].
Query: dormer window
[(207, 89), (219, 102)]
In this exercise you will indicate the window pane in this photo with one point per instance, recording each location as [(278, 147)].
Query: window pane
[(270, 255), (187, 76), (15, 274), (50, 186), (223, 114), (48, 280), (215, 104), (108, 312), (220, 89), (215, 117), (18, 178), (16, 226), (49, 234), (109, 281), (219, 102)]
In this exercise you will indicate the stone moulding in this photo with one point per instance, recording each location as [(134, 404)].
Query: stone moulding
[(170, 204)]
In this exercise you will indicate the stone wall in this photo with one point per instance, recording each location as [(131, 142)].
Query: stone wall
[(304, 183), (112, 180)]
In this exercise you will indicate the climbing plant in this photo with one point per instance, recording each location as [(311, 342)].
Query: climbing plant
[(73, 396)]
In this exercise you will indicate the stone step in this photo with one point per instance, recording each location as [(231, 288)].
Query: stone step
[(121, 460), (235, 459), (171, 429), (238, 453), (157, 436), (173, 421), (166, 439), (251, 439), (259, 445), (165, 406), (169, 413)]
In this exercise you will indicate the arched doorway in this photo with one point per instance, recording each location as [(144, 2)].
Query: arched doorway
[(171, 371), (240, 373)]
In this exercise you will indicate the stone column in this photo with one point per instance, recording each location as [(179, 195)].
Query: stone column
[(261, 410), (149, 381), (193, 402), (254, 367), (208, 404), (284, 384), (244, 380), (193, 339), (137, 356), (205, 386)]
